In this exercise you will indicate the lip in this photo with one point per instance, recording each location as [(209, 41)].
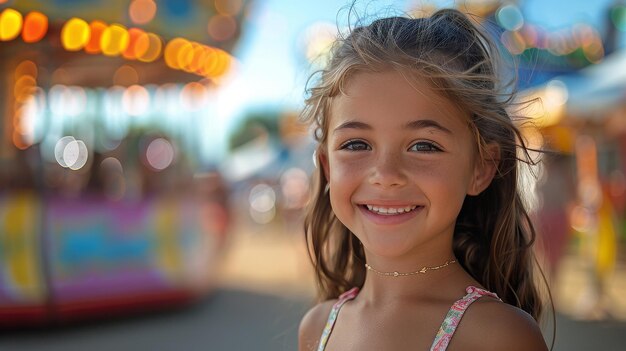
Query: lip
[(389, 219)]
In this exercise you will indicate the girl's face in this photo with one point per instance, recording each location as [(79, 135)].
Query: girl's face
[(400, 160)]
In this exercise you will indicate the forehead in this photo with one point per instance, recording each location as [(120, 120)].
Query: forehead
[(389, 97)]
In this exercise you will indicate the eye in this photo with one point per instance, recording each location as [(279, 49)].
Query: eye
[(425, 146), (355, 145)]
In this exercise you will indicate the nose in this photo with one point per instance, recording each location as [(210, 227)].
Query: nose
[(388, 172)]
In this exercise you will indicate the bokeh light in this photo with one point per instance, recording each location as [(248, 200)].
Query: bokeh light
[(618, 17), (67, 101), (172, 49), (193, 96), (217, 64), (159, 154), (594, 52), (30, 122), (75, 34), (222, 28), (153, 51), (71, 153), (136, 100), (262, 200), (97, 28), (26, 67), (59, 148), (19, 141), (513, 41), (294, 184), (126, 76), (60, 76), (228, 7), (197, 58), (530, 35), (114, 40), (556, 93), (317, 41), (24, 123), (510, 17), (24, 87), (10, 24), (137, 44), (186, 56), (35, 27), (142, 11), (75, 154)]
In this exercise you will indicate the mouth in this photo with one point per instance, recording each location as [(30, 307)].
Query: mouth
[(390, 210)]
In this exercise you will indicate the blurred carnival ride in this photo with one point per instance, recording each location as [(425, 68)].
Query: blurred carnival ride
[(110, 201)]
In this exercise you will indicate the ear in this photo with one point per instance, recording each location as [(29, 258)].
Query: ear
[(485, 169), (323, 162)]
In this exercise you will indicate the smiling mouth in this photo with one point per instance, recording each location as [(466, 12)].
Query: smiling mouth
[(390, 211)]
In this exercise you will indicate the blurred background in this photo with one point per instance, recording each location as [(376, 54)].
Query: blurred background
[(153, 173)]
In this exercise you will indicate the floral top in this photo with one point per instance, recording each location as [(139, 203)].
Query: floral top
[(446, 331)]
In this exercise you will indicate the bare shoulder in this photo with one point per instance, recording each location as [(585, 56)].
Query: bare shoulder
[(490, 324), (312, 325)]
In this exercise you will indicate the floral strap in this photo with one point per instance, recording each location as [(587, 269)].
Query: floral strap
[(332, 317), (453, 318)]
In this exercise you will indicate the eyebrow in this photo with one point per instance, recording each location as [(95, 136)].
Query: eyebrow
[(427, 123), (413, 125)]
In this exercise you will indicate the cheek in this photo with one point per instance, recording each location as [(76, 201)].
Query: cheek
[(344, 170), (345, 178), (448, 177)]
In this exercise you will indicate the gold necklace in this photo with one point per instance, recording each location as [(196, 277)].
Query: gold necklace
[(424, 270)]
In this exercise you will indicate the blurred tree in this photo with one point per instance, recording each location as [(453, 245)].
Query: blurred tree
[(256, 124)]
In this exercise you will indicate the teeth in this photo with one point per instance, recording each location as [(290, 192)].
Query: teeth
[(390, 210)]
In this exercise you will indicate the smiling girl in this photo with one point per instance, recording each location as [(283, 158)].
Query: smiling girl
[(417, 214)]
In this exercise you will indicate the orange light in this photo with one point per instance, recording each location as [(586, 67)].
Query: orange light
[(142, 11), (18, 141), (198, 56), (10, 24), (594, 52), (210, 63), (97, 28), (75, 34), (35, 27), (217, 64), (185, 56), (228, 7), (24, 87), (137, 44), (172, 50), (126, 76), (26, 68), (114, 40), (155, 45)]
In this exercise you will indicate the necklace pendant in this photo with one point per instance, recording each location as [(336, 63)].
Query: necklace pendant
[(395, 274), (423, 270)]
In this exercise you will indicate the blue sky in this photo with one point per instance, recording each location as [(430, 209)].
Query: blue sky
[(273, 71)]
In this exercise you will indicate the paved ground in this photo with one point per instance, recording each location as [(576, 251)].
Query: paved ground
[(228, 320), (266, 286)]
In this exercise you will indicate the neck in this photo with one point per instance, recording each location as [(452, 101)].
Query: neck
[(379, 289), (388, 288)]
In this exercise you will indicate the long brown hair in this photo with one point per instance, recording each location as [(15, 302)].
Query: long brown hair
[(494, 235)]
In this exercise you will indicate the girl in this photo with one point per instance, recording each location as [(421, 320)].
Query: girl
[(417, 214)]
